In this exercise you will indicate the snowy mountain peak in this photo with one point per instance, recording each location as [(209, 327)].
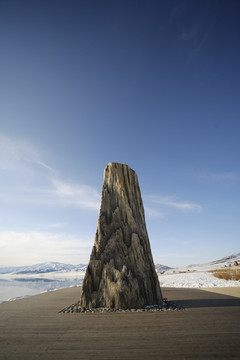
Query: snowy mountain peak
[(228, 260), (160, 267), (43, 268), (52, 266)]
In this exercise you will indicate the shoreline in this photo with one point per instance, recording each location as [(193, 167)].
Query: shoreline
[(40, 293), (227, 290)]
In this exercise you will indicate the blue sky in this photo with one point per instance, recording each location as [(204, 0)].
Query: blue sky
[(153, 84)]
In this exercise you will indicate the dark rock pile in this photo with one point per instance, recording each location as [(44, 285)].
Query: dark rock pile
[(165, 306)]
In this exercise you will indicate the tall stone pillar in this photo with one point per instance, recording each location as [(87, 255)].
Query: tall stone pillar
[(121, 273)]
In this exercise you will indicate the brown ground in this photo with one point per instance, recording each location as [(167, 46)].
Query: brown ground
[(231, 291), (209, 328)]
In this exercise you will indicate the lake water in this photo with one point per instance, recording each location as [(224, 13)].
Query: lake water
[(14, 288)]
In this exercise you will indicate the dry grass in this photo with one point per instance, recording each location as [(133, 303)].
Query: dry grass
[(227, 274)]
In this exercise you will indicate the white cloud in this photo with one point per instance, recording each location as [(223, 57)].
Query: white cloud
[(170, 201), (55, 193), (30, 179), (83, 196), (19, 155), (27, 248)]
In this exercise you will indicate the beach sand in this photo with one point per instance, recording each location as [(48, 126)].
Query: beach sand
[(231, 291), (209, 328)]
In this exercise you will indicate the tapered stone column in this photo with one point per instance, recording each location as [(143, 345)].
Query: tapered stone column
[(121, 273)]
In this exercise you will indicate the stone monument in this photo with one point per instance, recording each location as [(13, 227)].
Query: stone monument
[(121, 273)]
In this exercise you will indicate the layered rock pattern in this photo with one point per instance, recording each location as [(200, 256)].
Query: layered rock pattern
[(120, 273)]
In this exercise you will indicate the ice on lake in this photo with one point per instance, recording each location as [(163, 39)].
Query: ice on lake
[(17, 287)]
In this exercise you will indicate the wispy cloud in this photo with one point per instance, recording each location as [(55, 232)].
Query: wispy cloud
[(55, 193), (18, 155), (172, 202), (83, 196), (30, 179), (26, 248)]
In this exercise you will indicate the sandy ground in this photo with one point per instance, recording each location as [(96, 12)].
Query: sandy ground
[(209, 328), (231, 291)]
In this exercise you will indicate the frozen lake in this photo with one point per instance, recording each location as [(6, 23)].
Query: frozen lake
[(13, 288)]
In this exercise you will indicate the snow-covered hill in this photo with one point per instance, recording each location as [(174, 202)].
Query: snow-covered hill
[(198, 276), (195, 279), (42, 268), (48, 267), (227, 260), (191, 276), (220, 263), (161, 268)]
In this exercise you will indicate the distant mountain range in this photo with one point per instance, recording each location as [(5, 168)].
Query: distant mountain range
[(48, 267), (45, 267), (225, 261), (160, 267)]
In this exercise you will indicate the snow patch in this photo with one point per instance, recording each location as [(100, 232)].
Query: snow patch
[(197, 279)]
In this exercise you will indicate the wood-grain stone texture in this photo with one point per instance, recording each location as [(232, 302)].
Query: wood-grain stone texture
[(121, 273)]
